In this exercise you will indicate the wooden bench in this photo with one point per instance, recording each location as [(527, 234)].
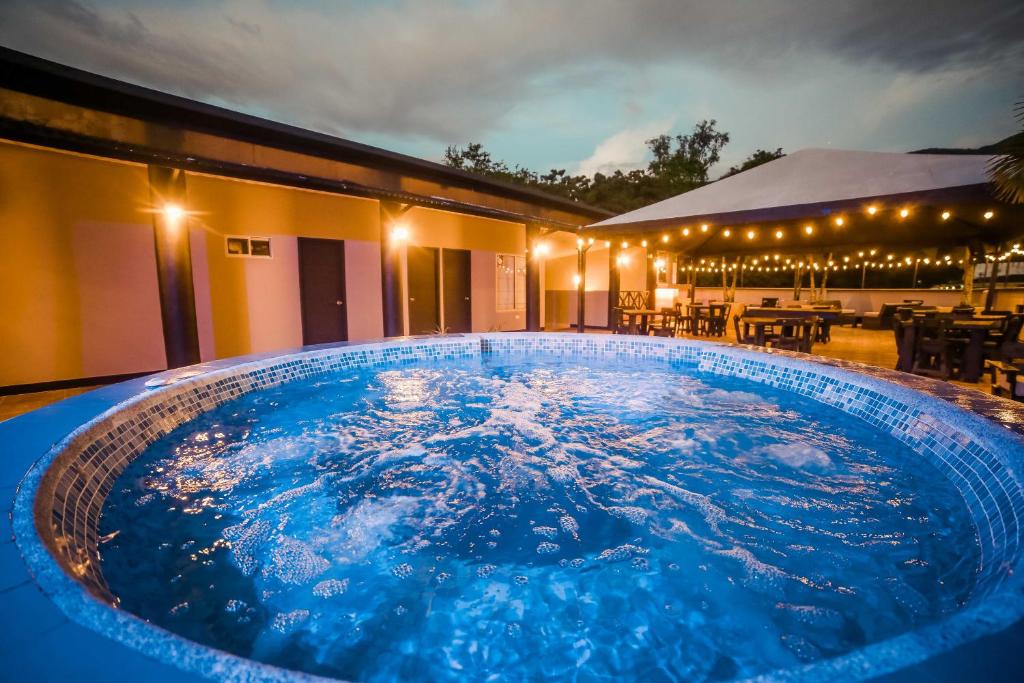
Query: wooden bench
[(1004, 379)]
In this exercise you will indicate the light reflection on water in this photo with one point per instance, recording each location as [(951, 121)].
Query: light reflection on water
[(534, 519)]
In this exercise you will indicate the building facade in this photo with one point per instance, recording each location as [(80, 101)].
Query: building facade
[(143, 231)]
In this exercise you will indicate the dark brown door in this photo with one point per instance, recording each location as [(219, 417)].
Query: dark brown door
[(322, 290), (458, 315), (423, 304)]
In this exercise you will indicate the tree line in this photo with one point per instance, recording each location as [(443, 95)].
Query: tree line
[(678, 164)]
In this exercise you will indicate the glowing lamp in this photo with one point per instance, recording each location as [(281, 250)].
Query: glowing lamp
[(904, 213), (988, 215), (946, 215), (399, 233), (809, 229), (840, 221)]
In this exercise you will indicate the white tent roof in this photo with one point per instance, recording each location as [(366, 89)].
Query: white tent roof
[(815, 176)]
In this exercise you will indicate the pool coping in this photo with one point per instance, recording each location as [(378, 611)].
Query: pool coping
[(34, 436)]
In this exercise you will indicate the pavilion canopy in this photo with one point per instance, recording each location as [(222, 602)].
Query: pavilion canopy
[(819, 198)]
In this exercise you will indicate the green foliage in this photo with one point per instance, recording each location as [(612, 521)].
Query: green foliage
[(678, 164), (1007, 169), (761, 156)]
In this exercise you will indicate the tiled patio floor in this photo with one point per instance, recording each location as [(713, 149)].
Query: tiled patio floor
[(871, 347)]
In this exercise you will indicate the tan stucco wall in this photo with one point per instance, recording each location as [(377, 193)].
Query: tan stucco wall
[(78, 287), (78, 290)]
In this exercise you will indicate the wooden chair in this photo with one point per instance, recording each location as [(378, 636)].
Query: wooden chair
[(796, 334), (666, 327), (740, 337), (619, 323), (1004, 379), (935, 352), (718, 314)]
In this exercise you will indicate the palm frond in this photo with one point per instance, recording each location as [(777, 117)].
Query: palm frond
[(1006, 169)]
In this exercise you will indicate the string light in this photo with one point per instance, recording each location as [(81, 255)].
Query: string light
[(809, 229), (778, 234), (872, 210), (988, 215), (727, 233), (751, 234), (946, 215), (840, 221), (904, 213), (704, 227), (664, 239), (643, 243), (686, 232)]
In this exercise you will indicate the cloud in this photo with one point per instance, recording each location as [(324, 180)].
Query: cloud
[(624, 150), (448, 71)]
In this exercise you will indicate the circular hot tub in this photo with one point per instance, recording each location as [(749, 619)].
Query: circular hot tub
[(533, 506)]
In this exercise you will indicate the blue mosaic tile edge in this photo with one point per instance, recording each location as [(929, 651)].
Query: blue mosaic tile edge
[(981, 457)]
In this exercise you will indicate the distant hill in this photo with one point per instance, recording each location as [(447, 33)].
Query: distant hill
[(987, 149)]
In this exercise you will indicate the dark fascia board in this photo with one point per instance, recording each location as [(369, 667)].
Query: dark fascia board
[(43, 78), (946, 196), (35, 134)]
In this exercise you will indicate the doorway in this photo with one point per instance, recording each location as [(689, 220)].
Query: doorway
[(422, 269), (458, 309), (322, 290)]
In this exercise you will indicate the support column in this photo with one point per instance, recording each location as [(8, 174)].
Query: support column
[(652, 275), (174, 266), (993, 280), (581, 289), (391, 270), (613, 283), (533, 293), (967, 298)]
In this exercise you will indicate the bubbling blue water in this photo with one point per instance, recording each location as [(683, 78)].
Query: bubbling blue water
[(511, 519)]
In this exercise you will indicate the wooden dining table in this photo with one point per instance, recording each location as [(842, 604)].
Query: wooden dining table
[(977, 329), (760, 323), (639, 319)]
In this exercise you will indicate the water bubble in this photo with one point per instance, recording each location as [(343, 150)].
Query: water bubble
[(442, 577), (330, 588), (545, 531), (514, 630), (486, 570), (286, 622), (403, 571), (576, 562), (547, 548), (521, 580)]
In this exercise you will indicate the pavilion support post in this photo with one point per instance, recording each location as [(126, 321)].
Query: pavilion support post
[(863, 273), (692, 280), (798, 278), (967, 299), (810, 274), (581, 289), (913, 282), (993, 280), (613, 283), (652, 275), (391, 271), (533, 264), (174, 266)]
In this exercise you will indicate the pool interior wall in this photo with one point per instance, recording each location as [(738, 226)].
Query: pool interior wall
[(58, 506)]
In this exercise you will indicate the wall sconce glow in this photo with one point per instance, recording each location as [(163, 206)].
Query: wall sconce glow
[(607, 244), (659, 264), (576, 279), (704, 228), (727, 233), (625, 245), (778, 234), (664, 239), (541, 249), (622, 260), (579, 242), (173, 213), (751, 234), (904, 213), (946, 215), (686, 232), (590, 241), (988, 215), (872, 210), (643, 244), (399, 233), (809, 229), (840, 221)]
